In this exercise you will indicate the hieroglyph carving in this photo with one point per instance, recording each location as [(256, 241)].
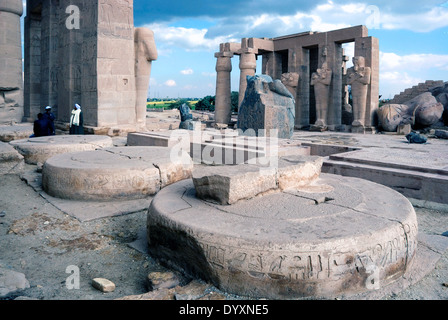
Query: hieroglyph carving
[(315, 265)]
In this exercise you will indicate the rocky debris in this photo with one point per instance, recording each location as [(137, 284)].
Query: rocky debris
[(441, 134), (11, 281), (416, 138), (162, 280), (103, 285), (194, 290)]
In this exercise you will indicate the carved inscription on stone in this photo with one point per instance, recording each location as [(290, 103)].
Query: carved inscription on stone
[(279, 264)]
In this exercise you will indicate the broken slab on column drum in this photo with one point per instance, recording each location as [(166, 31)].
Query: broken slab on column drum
[(36, 150), (230, 184), (350, 236), (114, 173)]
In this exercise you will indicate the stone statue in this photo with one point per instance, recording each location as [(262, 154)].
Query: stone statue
[(145, 53), (186, 118), (321, 81), (359, 77), (11, 82), (291, 81), (267, 105)]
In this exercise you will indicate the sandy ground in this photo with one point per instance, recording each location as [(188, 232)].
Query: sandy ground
[(41, 242)]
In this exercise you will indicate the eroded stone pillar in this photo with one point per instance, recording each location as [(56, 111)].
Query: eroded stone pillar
[(248, 67), (223, 101), (145, 53), (11, 79)]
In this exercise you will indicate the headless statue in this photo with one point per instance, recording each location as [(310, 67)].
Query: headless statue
[(145, 53), (321, 81), (359, 77)]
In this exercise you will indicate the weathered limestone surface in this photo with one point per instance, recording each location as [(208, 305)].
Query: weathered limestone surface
[(36, 150), (229, 184), (11, 161), (114, 173), (267, 105), (391, 116), (350, 238), (11, 80), (426, 108)]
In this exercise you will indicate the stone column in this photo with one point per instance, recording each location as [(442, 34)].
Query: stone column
[(223, 107), (11, 79), (248, 67)]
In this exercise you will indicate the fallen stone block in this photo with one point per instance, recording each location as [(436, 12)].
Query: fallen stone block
[(103, 285), (11, 281), (230, 184)]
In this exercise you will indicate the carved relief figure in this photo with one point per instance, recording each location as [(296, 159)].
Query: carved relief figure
[(145, 53), (321, 81), (359, 77)]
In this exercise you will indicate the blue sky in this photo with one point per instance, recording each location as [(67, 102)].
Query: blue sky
[(413, 37)]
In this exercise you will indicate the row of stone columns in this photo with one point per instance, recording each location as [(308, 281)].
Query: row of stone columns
[(293, 56), (248, 66)]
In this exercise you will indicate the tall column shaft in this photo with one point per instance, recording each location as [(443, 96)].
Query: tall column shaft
[(223, 101), (248, 67)]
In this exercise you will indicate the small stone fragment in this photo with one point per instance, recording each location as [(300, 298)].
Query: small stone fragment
[(103, 285), (162, 280)]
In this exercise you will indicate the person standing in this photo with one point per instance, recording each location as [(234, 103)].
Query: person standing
[(49, 116), (77, 121)]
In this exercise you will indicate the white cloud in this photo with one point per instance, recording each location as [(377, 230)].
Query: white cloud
[(187, 71), (419, 22), (190, 39), (398, 73), (170, 83)]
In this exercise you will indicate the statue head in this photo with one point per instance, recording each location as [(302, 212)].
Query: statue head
[(290, 79), (359, 62), (145, 44)]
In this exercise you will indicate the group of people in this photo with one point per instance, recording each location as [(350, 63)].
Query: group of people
[(44, 125)]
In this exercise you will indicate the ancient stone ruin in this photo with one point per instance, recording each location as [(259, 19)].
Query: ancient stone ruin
[(285, 233), (424, 106), (100, 62), (309, 56), (258, 216)]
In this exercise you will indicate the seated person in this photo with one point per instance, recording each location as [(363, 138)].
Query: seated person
[(41, 127)]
